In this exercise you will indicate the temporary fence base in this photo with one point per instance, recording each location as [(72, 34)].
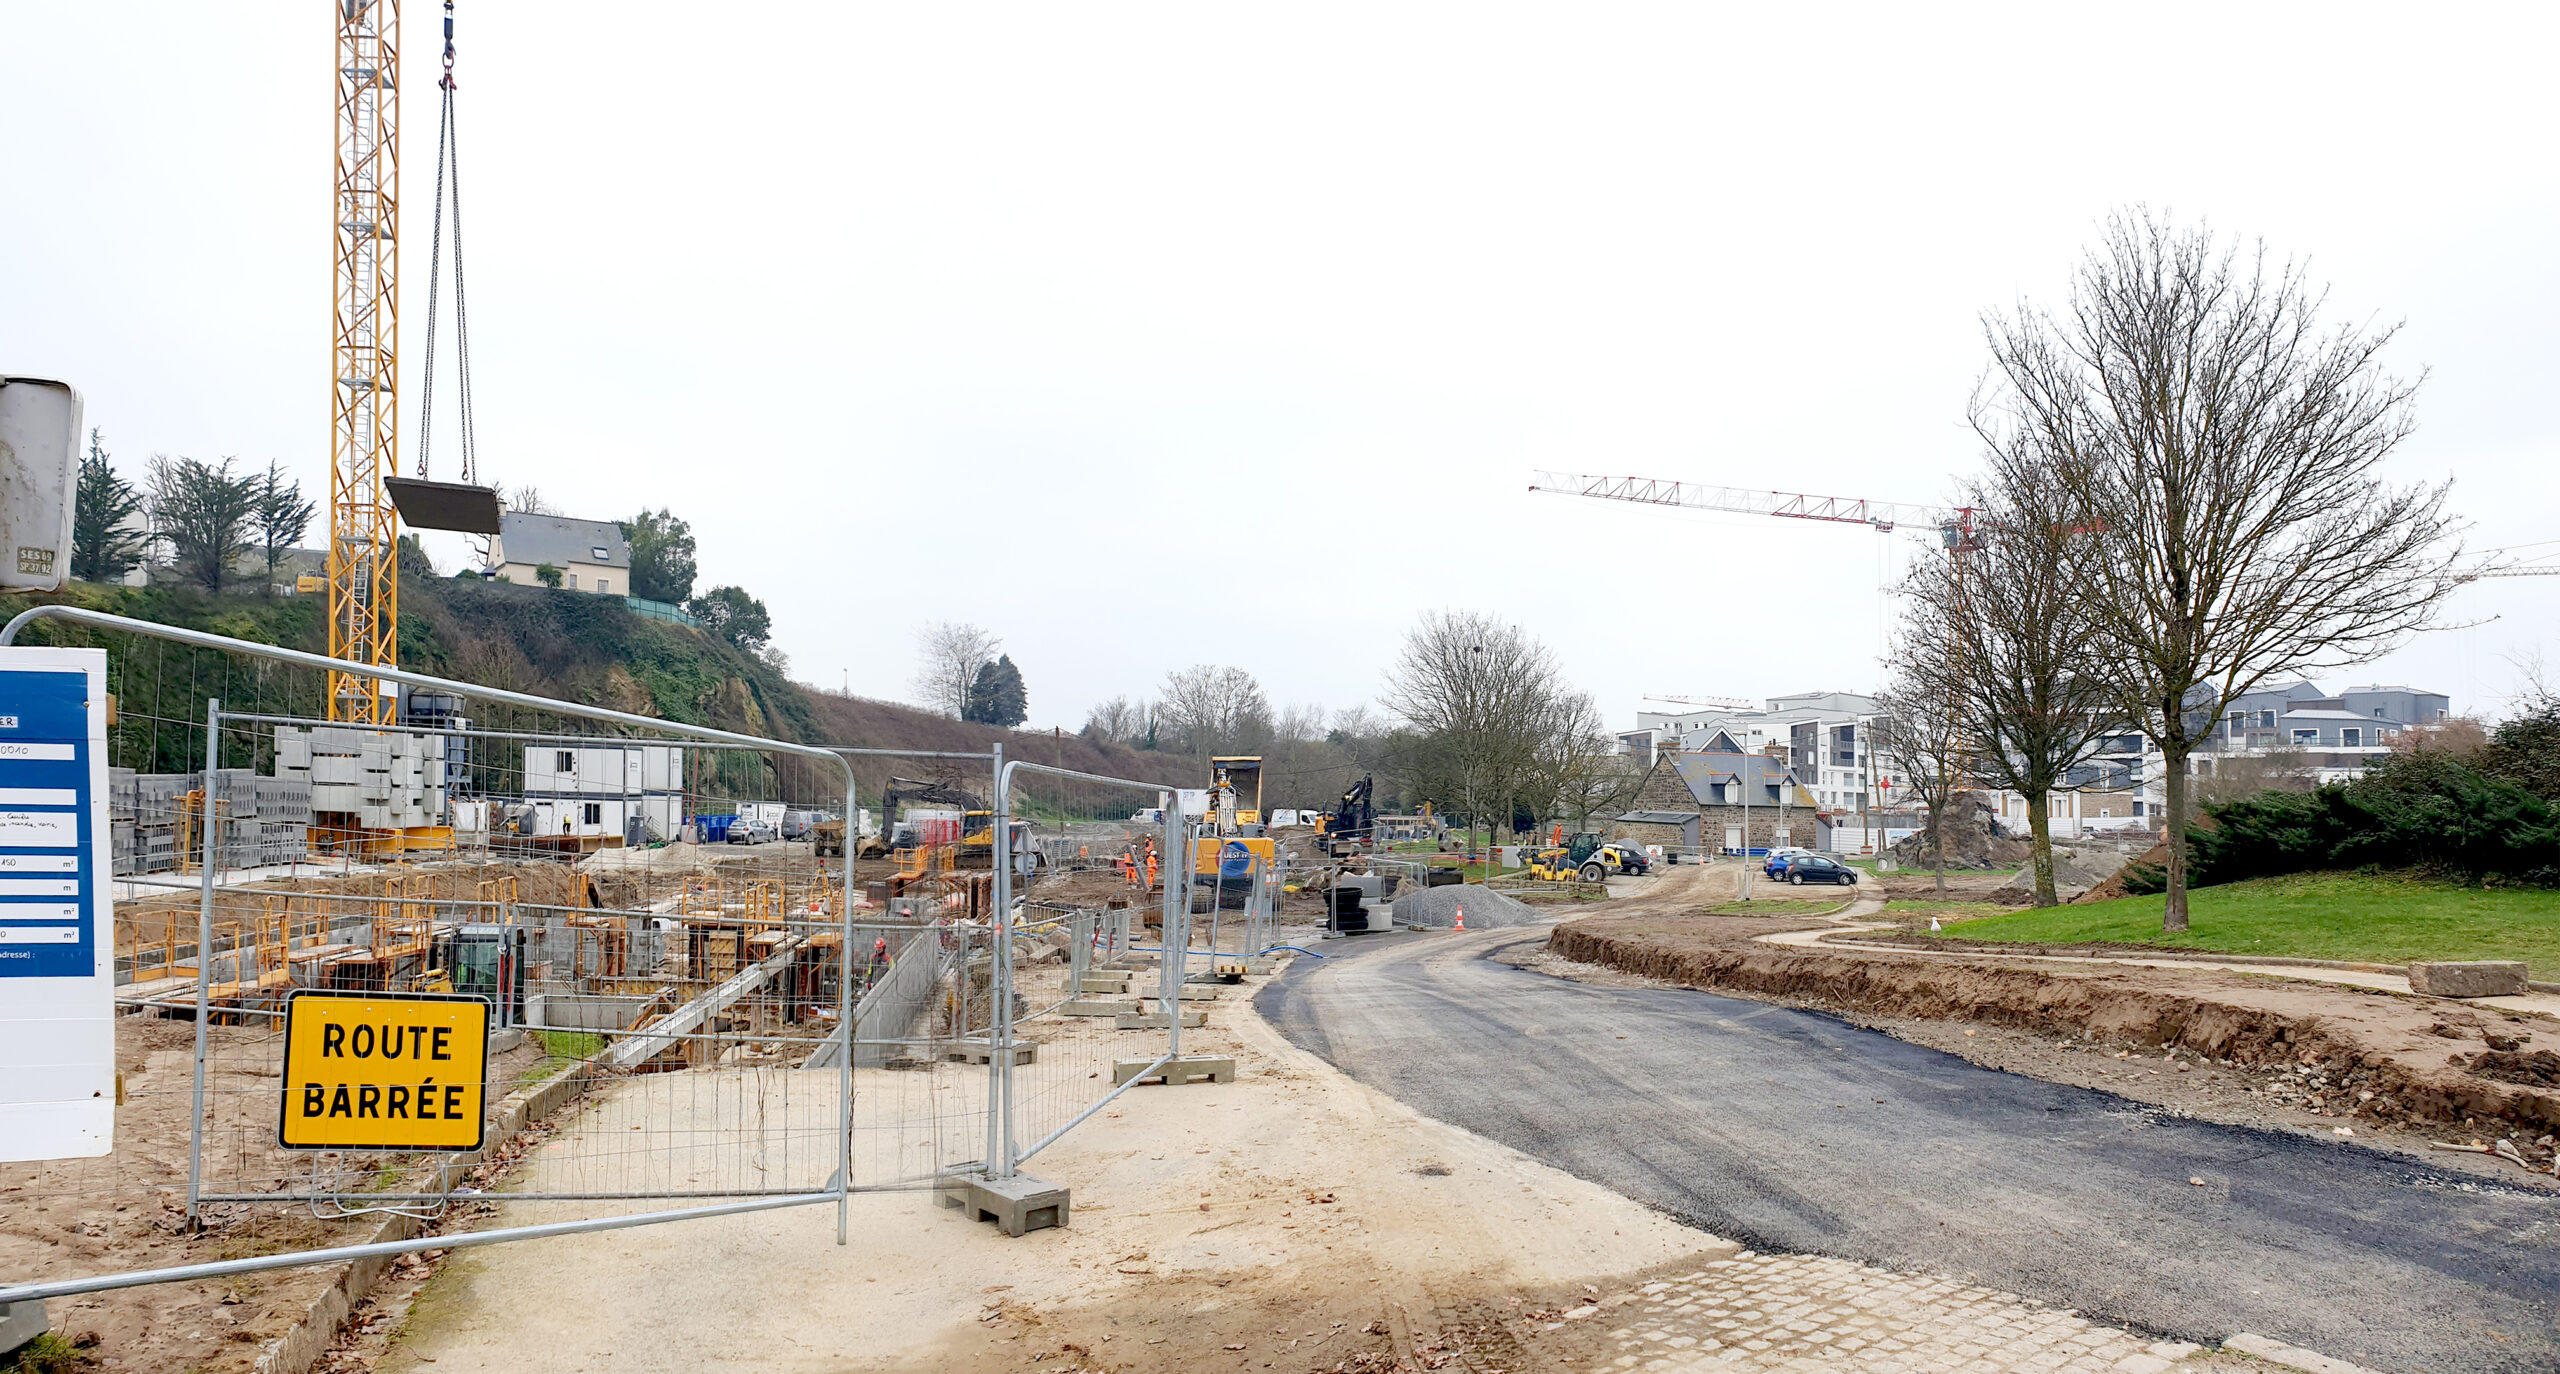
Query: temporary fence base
[(1175, 1071), (1018, 1204), (1156, 1020), (20, 1323)]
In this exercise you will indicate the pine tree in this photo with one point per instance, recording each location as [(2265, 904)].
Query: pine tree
[(101, 547), (997, 696)]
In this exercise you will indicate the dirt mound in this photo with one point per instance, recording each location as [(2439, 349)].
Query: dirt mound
[(2076, 869), (1486, 909), (2533, 1068), (1974, 839), (2380, 1059)]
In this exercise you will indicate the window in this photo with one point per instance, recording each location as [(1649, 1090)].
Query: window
[(562, 761), (595, 813), (603, 585), (2137, 808), (2351, 738), (573, 582), (2306, 737), (602, 556), (2377, 713)]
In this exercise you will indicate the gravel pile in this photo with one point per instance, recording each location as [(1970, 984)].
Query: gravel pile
[(1486, 908)]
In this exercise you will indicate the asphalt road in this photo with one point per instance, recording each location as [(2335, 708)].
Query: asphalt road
[(1793, 1130)]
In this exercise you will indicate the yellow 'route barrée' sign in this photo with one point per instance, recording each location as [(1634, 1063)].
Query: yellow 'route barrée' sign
[(383, 1071)]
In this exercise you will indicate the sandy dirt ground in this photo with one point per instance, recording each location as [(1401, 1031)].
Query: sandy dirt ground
[(126, 1211), (1292, 1219)]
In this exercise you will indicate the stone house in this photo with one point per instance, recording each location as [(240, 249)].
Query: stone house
[(1696, 800)]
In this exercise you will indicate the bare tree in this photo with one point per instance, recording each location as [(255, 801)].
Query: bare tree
[(1207, 710), (2218, 448), (949, 655), (528, 501), (1581, 770), (1480, 699), (1912, 738), (1118, 721), (2003, 639)]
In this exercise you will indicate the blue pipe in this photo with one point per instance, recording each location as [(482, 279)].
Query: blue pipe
[(1308, 952)]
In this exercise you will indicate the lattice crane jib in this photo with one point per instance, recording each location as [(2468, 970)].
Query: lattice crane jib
[(364, 533), (1961, 531)]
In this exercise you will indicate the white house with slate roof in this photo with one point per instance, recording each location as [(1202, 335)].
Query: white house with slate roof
[(592, 555)]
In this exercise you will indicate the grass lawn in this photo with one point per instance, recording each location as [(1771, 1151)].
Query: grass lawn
[(2376, 918)]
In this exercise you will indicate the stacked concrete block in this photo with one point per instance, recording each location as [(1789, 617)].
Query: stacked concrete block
[(283, 807), (385, 779)]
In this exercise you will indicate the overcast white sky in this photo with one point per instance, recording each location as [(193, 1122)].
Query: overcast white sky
[(1154, 335)]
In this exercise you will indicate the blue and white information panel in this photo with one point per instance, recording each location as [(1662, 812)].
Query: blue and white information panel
[(57, 957)]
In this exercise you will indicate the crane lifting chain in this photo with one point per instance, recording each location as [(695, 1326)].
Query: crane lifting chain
[(448, 172)]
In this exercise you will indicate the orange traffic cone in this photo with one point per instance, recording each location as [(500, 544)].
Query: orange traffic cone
[(1462, 920)]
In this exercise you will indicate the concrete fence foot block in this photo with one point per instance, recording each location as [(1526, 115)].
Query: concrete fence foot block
[(1088, 1006), (2475, 978), (20, 1322), (979, 1052), (1018, 1204), (1156, 1020), (1175, 1071)]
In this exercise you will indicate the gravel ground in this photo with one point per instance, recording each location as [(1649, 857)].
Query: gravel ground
[(1486, 909)]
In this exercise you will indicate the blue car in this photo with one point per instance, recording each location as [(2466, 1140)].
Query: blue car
[(1799, 869)]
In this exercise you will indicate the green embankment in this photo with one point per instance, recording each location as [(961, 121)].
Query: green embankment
[(2374, 918)]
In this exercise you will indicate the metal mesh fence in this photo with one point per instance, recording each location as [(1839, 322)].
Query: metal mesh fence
[(681, 1005)]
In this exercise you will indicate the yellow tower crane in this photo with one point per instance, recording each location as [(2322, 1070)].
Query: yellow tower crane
[(364, 355), (368, 498)]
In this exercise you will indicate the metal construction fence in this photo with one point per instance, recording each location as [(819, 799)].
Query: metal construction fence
[(675, 1030)]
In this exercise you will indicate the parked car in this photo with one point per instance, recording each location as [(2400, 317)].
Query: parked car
[(1799, 869), (752, 832), (1776, 866)]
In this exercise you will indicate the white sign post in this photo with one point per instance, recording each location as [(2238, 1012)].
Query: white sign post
[(57, 955), (40, 455)]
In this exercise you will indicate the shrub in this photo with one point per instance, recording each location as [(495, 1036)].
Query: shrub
[(2423, 811)]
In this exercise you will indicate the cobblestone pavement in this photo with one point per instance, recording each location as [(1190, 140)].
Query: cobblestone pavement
[(1804, 1312)]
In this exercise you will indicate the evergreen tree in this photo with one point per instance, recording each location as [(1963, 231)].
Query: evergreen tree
[(281, 516), (734, 616), (204, 512), (997, 696), (662, 556), (101, 548)]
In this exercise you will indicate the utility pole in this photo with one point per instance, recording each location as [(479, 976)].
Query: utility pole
[(1863, 750), (1744, 784)]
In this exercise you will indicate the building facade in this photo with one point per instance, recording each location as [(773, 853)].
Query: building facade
[(590, 555), (1693, 802)]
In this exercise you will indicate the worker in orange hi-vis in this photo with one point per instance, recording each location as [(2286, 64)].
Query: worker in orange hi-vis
[(1151, 869)]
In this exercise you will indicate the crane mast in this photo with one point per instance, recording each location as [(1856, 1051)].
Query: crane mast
[(363, 569)]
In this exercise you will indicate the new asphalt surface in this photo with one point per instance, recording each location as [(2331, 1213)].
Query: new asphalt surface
[(1794, 1130)]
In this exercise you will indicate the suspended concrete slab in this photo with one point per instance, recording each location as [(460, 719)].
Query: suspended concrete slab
[(456, 506)]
